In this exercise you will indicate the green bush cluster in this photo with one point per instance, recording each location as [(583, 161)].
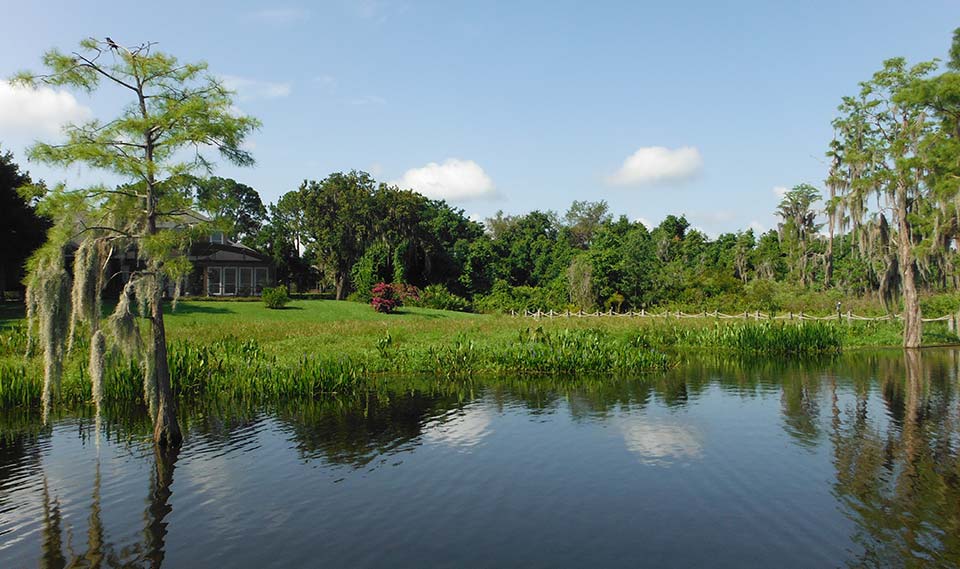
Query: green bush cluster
[(275, 297), (439, 297)]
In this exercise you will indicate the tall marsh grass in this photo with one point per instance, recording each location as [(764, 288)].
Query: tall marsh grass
[(774, 338)]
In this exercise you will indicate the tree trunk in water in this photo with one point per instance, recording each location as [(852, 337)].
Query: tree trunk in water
[(912, 325), (912, 404), (166, 431), (158, 506)]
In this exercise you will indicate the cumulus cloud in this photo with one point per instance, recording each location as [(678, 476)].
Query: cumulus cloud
[(779, 191), (248, 89), (454, 180), (658, 164), (646, 223), (34, 112)]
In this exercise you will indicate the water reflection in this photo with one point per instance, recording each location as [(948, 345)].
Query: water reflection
[(661, 442), (900, 483), (858, 455)]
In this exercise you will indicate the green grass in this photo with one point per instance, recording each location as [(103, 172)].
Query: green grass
[(314, 347)]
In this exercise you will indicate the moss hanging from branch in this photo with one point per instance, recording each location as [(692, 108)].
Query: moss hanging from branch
[(49, 290), (123, 322), (86, 279)]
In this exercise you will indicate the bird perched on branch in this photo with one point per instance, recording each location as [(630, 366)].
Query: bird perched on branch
[(112, 44)]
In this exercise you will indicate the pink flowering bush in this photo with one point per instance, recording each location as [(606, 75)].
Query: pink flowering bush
[(387, 297)]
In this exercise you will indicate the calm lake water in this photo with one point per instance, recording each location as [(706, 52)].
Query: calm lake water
[(849, 462)]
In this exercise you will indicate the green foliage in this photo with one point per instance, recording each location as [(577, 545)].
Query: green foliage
[(21, 229), (437, 296), (275, 297), (236, 206), (368, 271), (171, 111)]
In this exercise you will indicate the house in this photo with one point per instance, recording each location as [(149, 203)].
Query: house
[(224, 268), (220, 268)]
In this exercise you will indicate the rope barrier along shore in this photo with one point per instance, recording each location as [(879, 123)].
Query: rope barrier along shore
[(950, 319)]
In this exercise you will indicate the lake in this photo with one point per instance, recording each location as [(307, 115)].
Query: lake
[(851, 461)]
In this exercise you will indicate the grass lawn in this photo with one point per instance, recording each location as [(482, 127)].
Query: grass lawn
[(323, 327), (333, 328)]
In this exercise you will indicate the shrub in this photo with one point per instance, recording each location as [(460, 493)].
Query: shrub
[(437, 296), (275, 297), (385, 298), (406, 293)]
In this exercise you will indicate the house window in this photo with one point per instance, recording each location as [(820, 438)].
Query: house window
[(217, 237), (214, 281), (260, 280), (246, 281), (230, 280)]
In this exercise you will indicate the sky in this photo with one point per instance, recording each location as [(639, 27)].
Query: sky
[(708, 109)]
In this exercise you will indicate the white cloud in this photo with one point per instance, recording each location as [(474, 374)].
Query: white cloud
[(757, 227), (646, 223), (280, 16), (42, 111), (248, 89), (779, 191), (658, 164), (455, 180)]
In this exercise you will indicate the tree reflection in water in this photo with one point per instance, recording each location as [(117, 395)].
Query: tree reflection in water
[(898, 476), (890, 422), (58, 553)]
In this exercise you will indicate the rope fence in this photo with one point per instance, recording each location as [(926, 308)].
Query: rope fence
[(950, 319)]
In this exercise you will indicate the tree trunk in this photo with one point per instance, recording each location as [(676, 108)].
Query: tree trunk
[(341, 285), (828, 261), (166, 431), (912, 325)]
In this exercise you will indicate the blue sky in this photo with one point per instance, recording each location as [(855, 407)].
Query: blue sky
[(701, 108)]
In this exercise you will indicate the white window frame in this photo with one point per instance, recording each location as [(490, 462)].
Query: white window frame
[(248, 288), (228, 271), (262, 284), (219, 272)]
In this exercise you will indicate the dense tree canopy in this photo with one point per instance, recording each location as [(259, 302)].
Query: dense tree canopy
[(21, 229)]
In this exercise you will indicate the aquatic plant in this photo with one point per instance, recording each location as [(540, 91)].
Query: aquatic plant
[(748, 337)]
